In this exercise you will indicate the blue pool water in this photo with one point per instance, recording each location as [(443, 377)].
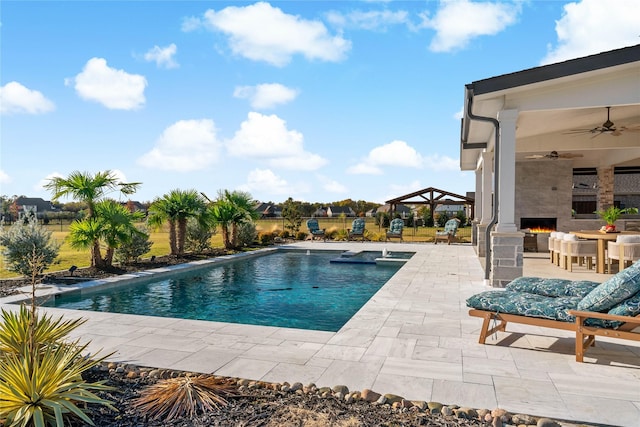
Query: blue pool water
[(286, 288)]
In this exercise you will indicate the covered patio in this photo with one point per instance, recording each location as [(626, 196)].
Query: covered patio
[(527, 134)]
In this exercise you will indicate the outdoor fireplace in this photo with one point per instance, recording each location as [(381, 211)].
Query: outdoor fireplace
[(538, 225)]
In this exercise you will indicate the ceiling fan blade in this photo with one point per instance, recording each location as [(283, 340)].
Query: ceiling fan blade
[(535, 156)]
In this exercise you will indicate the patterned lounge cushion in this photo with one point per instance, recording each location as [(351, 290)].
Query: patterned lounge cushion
[(552, 287), (628, 307), (614, 291), (525, 304)]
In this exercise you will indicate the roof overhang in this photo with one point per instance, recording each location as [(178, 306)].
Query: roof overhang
[(554, 100)]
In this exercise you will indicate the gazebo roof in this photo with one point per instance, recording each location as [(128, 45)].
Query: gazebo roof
[(432, 196)]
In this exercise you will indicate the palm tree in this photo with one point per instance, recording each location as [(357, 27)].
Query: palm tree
[(230, 210), (90, 189), (176, 207), (113, 224), (118, 226)]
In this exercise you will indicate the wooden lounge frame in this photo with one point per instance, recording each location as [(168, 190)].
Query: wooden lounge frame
[(585, 335)]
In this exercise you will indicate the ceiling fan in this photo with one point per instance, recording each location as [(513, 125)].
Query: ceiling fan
[(554, 155), (607, 127)]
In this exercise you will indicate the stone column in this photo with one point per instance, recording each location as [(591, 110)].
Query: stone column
[(506, 262), (605, 187), (506, 241)]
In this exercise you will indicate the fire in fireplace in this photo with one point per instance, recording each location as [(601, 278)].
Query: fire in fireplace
[(538, 225)]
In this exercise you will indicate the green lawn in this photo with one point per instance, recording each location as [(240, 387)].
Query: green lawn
[(160, 239)]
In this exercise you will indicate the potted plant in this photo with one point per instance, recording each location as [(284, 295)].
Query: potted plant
[(611, 215)]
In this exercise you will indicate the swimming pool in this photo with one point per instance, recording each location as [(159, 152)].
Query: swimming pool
[(287, 288)]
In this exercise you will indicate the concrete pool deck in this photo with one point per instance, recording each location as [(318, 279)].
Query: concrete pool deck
[(412, 338)]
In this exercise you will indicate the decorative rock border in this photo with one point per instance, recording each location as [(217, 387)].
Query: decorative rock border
[(496, 418)]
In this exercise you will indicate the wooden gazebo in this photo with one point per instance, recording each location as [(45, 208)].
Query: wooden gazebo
[(432, 197)]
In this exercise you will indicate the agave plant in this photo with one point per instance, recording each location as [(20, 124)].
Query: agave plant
[(183, 396), (45, 389)]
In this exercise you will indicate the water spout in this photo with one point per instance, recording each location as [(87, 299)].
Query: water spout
[(385, 253), (308, 252)]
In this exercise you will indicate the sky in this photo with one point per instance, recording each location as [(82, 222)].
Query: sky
[(315, 100)]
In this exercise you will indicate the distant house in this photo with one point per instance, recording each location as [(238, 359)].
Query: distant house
[(34, 204), (268, 210), (450, 210), (404, 211), (336, 211), (320, 212)]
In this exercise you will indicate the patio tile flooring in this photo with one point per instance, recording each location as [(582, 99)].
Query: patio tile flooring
[(413, 338)]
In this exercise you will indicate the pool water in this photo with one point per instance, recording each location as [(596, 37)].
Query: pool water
[(287, 289)]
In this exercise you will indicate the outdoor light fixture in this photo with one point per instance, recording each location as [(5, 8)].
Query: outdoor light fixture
[(72, 269)]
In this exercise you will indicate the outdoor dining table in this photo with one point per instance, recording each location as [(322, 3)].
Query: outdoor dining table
[(602, 239)]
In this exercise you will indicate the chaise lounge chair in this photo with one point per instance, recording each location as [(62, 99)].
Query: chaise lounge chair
[(449, 233), (395, 229), (357, 230), (315, 231), (590, 309)]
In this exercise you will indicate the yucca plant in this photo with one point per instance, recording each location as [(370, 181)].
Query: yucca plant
[(47, 390), (15, 330), (40, 372), (183, 396)]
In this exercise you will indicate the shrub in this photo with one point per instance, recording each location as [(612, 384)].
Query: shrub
[(198, 236), (442, 219), (376, 237), (24, 241), (132, 250), (301, 235), (246, 233), (265, 238), (340, 234)]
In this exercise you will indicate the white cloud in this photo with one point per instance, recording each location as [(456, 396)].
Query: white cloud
[(266, 95), (4, 177), (39, 186), (400, 154), (438, 162), (261, 32), (593, 26), (368, 20), (186, 145), (267, 137), (15, 98), (115, 89), (265, 181), (457, 22), (163, 56), (332, 186), (191, 23), (395, 153)]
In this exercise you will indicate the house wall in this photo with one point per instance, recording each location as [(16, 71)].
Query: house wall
[(543, 189)]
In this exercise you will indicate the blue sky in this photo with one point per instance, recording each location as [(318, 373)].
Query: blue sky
[(315, 100)]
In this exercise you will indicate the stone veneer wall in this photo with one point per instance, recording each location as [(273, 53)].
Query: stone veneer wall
[(543, 189)]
